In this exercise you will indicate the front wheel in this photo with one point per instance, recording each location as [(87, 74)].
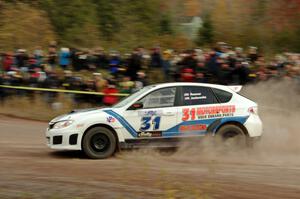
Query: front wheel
[(99, 143)]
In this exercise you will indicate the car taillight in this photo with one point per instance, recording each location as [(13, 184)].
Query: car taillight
[(253, 110)]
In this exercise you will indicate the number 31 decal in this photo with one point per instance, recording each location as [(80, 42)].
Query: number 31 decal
[(147, 122)]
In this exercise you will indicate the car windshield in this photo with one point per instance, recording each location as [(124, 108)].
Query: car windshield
[(131, 97)]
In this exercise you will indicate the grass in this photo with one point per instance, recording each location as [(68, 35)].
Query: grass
[(37, 108)]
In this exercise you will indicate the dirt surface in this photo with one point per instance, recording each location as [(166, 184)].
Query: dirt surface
[(28, 169)]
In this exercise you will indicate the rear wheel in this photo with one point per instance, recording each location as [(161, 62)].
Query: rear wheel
[(99, 143), (232, 136)]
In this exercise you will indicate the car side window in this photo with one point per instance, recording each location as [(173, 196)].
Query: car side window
[(223, 96), (197, 95), (164, 97)]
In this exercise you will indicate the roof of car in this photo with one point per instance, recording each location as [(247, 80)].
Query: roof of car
[(223, 87)]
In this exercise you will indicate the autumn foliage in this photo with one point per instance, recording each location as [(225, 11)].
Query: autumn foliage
[(272, 25)]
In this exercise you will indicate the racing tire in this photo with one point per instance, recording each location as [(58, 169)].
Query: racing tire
[(232, 135), (99, 143)]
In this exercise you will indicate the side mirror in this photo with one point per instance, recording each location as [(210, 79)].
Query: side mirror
[(136, 105)]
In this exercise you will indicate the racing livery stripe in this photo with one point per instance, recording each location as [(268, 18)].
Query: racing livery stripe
[(124, 123), (175, 131)]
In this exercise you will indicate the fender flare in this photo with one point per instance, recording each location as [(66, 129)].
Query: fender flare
[(105, 126)]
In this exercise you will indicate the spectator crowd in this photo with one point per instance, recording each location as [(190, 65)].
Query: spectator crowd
[(113, 72)]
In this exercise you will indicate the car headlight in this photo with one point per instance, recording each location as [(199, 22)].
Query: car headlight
[(62, 124)]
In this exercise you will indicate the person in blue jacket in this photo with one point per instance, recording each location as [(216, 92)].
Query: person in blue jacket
[(64, 58)]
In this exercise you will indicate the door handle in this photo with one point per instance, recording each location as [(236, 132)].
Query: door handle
[(169, 113)]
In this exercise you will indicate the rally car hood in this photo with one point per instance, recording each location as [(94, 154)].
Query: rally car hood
[(78, 113)]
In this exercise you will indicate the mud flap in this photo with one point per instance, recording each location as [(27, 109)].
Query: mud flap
[(211, 130)]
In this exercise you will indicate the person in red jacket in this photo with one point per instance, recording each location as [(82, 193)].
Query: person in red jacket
[(8, 61), (187, 75), (109, 99)]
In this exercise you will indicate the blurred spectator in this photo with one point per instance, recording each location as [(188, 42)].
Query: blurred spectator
[(64, 58), (252, 55), (109, 99), (94, 69), (68, 80), (21, 58), (8, 61), (156, 60), (213, 66), (187, 75), (76, 62), (51, 82), (225, 73), (190, 60), (99, 82), (32, 63), (201, 72), (242, 71), (38, 55), (126, 85), (156, 65), (101, 60), (52, 55), (114, 63), (141, 81), (134, 64), (167, 55), (82, 60)]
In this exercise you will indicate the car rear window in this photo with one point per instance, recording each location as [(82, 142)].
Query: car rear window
[(223, 96)]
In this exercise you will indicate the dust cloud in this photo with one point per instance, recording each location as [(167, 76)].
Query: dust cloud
[(279, 109)]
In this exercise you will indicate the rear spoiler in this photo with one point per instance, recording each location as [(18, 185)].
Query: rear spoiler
[(236, 89)]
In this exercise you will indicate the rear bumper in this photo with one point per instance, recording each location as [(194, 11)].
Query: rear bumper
[(254, 126)]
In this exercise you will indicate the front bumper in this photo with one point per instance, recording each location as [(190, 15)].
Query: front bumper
[(63, 139)]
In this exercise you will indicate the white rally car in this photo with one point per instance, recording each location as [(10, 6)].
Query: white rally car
[(157, 115)]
